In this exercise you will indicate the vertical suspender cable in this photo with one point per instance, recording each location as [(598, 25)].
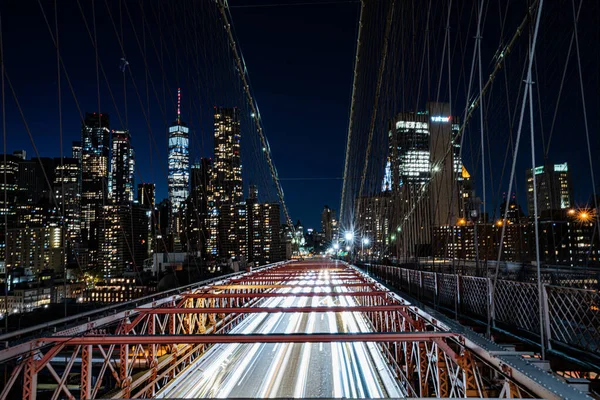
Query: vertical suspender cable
[(512, 172), (5, 206), (63, 232), (585, 121), (382, 62), (352, 111), (478, 39), (535, 221)]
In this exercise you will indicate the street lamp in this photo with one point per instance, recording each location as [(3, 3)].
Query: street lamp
[(349, 236), (364, 241)]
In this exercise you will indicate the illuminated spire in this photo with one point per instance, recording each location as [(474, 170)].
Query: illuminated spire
[(178, 106)]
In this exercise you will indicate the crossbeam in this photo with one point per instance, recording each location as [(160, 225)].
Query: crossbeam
[(259, 338), (285, 286), (269, 310), (279, 294)]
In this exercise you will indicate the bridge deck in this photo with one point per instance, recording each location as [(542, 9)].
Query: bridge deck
[(299, 329)]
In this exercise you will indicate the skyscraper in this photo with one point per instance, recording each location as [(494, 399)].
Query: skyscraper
[(122, 168), (228, 162), (423, 151), (554, 190), (409, 139), (95, 139), (10, 172), (446, 169), (67, 183), (263, 231), (179, 168), (228, 189), (327, 217), (199, 236), (124, 239)]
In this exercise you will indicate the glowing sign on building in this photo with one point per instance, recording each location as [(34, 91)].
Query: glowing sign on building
[(439, 118)]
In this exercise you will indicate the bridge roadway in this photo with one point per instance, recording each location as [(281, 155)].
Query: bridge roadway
[(302, 370), (156, 348)]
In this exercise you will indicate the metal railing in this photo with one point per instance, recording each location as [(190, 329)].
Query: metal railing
[(25, 334), (571, 315), (558, 275)]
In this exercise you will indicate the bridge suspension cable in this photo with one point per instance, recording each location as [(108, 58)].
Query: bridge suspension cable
[(348, 155), (243, 72)]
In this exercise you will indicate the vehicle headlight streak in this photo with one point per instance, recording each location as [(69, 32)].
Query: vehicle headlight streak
[(285, 369)]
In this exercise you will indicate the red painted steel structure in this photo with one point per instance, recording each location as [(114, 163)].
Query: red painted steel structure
[(141, 350)]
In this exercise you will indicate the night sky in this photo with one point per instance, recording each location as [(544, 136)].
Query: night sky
[(300, 60), (301, 63)]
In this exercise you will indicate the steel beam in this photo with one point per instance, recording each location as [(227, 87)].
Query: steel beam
[(258, 338), (287, 286), (279, 294), (269, 310)]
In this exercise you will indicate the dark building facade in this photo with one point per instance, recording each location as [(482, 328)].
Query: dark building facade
[(122, 168)]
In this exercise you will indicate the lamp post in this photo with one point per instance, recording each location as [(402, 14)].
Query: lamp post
[(364, 241), (349, 239)]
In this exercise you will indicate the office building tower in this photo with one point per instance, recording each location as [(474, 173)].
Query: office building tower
[(124, 239), (228, 163), (179, 168), (146, 195), (409, 144), (376, 221), (227, 185), (423, 151), (33, 173), (10, 169), (554, 190), (262, 230), (232, 230), (212, 227), (445, 168), (66, 188), (327, 218), (122, 168), (30, 181), (95, 138), (76, 150), (197, 228), (35, 249), (35, 240), (264, 233)]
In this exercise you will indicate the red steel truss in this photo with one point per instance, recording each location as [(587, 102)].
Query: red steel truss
[(135, 353)]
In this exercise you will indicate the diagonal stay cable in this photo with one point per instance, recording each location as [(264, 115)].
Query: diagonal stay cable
[(243, 76)]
